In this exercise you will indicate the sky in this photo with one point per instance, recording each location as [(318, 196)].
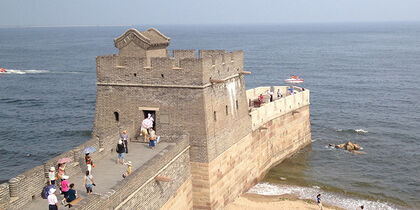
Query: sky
[(138, 12)]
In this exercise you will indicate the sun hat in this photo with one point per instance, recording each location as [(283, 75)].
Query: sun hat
[(129, 163), (124, 131), (52, 190), (52, 169), (65, 177)]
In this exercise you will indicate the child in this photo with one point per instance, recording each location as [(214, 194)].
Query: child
[(128, 169), (152, 139)]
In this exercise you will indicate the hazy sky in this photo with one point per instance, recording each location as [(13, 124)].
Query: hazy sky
[(131, 12)]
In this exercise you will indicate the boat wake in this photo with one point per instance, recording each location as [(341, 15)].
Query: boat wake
[(30, 71), (310, 193)]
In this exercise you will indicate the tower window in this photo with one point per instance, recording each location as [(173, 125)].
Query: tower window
[(214, 115), (117, 116), (227, 111)]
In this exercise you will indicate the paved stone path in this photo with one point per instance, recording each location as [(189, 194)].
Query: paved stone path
[(106, 173)]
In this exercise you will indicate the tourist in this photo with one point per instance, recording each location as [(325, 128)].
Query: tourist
[(261, 98), (52, 200), (71, 194), (61, 170), (279, 94), (120, 150), (88, 182), (64, 187), (145, 125), (124, 137), (318, 201), (51, 176), (89, 162), (270, 94), (128, 169), (152, 139)]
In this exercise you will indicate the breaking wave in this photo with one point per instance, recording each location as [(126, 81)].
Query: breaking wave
[(310, 193)]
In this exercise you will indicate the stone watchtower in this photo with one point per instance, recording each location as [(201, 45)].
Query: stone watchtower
[(202, 95)]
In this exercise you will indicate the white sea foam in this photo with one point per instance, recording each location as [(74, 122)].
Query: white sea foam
[(360, 131), (29, 71), (310, 193)]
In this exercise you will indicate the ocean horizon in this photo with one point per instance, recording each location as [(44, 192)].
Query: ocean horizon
[(362, 77)]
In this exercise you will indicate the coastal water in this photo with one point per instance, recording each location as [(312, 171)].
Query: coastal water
[(362, 77)]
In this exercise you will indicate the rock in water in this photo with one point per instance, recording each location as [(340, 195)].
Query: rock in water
[(339, 146), (349, 146), (282, 179)]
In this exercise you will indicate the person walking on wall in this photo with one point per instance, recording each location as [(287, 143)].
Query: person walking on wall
[(88, 182), (318, 201), (52, 200), (51, 176), (64, 187), (89, 162), (124, 138), (120, 150), (152, 139)]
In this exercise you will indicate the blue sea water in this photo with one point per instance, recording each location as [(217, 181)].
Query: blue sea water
[(361, 76)]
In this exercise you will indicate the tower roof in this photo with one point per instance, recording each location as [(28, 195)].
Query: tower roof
[(145, 39)]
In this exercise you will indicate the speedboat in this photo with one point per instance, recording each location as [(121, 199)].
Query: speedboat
[(294, 80)]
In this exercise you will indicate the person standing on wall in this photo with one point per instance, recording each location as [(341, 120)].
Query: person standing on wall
[(279, 94), (51, 176), (152, 139), (120, 150), (52, 200), (124, 138)]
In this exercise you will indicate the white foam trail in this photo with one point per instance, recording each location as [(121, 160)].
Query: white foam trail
[(360, 131), (30, 71), (310, 193)]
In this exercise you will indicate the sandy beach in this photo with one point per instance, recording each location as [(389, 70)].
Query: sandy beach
[(250, 201)]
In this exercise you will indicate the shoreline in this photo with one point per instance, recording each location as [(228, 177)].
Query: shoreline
[(250, 201)]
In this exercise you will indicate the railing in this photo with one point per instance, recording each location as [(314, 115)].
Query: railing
[(278, 107)]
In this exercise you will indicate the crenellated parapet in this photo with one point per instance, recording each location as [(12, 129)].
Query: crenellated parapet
[(179, 68)]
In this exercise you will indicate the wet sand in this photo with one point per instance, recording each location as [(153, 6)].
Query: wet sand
[(250, 201)]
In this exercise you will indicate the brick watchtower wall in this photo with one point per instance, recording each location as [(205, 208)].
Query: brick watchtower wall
[(204, 96)]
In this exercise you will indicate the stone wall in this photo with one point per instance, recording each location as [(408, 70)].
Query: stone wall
[(279, 107), (232, 173), (22, 189), (141, 191)]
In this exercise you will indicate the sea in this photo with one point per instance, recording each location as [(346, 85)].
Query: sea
[(363, 77)]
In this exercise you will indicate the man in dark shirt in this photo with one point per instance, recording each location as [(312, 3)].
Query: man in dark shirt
[(71, 194)]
